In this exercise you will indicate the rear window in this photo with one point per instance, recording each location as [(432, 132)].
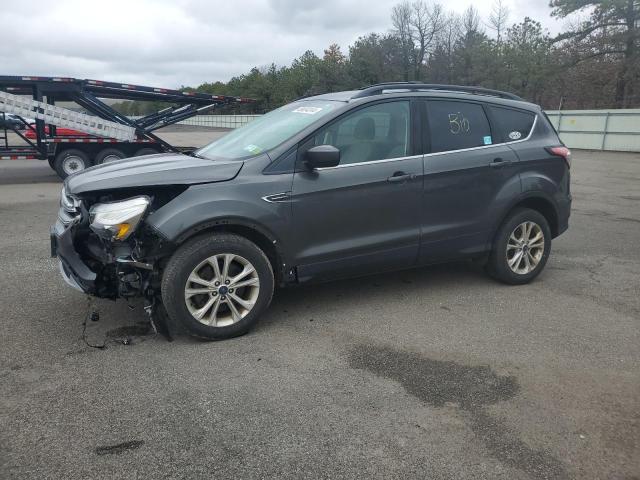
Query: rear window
[(457, 125), (512, 125)]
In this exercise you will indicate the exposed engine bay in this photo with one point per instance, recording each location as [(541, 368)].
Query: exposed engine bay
[(111, 252)]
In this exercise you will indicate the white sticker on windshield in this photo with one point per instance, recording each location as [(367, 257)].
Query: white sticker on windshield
[(307, 110), (253, 149)]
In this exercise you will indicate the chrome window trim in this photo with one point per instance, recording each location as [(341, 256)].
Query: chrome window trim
[(446, 152), (384, 160)]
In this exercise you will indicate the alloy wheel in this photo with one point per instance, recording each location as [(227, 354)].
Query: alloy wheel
[(525, 248), (222, 290)]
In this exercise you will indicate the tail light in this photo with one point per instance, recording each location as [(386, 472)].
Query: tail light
[(563, 152)]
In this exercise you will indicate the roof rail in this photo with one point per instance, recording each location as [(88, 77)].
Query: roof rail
[(378, 88)]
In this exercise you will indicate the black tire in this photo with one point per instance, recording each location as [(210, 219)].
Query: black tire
[(498, 263), (70, 161), (108, 154), (146, 151), (188, 257)]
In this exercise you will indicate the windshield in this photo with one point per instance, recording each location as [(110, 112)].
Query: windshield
[(268, 131)]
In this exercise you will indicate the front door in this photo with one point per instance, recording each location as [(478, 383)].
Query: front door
[(363, 215)]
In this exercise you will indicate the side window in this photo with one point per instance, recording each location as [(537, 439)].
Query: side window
[(377, 132), (512, 124), (457, 125)]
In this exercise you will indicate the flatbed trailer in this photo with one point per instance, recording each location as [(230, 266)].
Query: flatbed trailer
[(106, 134)]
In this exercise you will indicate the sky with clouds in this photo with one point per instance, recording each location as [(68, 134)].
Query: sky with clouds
[(170, 43)]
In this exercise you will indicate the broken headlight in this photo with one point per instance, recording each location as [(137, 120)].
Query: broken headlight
[(117, 220)]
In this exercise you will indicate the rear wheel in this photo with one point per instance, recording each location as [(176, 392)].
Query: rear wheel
[(109, 155), (217, 286), (70, 161), (521, 247)]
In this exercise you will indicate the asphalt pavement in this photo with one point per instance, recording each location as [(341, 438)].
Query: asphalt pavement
[(437, 373)]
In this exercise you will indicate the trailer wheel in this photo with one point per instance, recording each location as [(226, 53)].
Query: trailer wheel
[(109, 155), (146, 151), (70, 161)]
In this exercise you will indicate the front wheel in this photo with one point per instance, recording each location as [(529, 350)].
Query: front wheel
[(521, 247), (217, 286)]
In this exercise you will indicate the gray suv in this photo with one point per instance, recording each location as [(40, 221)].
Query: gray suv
[(388, 177)]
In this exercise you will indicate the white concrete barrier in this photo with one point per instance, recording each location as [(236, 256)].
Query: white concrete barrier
[(219, 121), (616, 130)]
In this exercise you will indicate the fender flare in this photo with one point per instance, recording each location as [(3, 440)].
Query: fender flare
[(282, 268), (524, 196), (222, 222)]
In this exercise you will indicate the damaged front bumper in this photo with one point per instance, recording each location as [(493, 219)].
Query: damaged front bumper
[(107, 275), (75, 272), (101, 267), (68, 278)]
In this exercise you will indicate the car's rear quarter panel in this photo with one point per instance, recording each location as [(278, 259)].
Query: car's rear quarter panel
[(543, 174)]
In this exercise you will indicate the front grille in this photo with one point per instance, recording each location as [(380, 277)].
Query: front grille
[(69, 209)]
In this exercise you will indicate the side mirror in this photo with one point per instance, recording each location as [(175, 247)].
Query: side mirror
[(322, 156)]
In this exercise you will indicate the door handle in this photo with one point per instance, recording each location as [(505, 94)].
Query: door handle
[(400, 177), (499, 162)]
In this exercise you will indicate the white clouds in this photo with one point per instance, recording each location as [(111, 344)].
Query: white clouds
[(187, 42)]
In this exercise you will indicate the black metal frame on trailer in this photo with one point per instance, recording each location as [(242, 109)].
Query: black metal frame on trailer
[(87, 94)]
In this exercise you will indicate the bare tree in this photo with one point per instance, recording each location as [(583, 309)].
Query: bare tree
[(498, 19), (470, 21), (451, 31), (401, 19), (441, 63), (426, 22)]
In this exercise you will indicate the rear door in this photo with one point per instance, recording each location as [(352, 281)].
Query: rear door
[(469, 172), (363, 215)]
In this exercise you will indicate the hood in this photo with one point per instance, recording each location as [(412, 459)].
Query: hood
[(149, 170)]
